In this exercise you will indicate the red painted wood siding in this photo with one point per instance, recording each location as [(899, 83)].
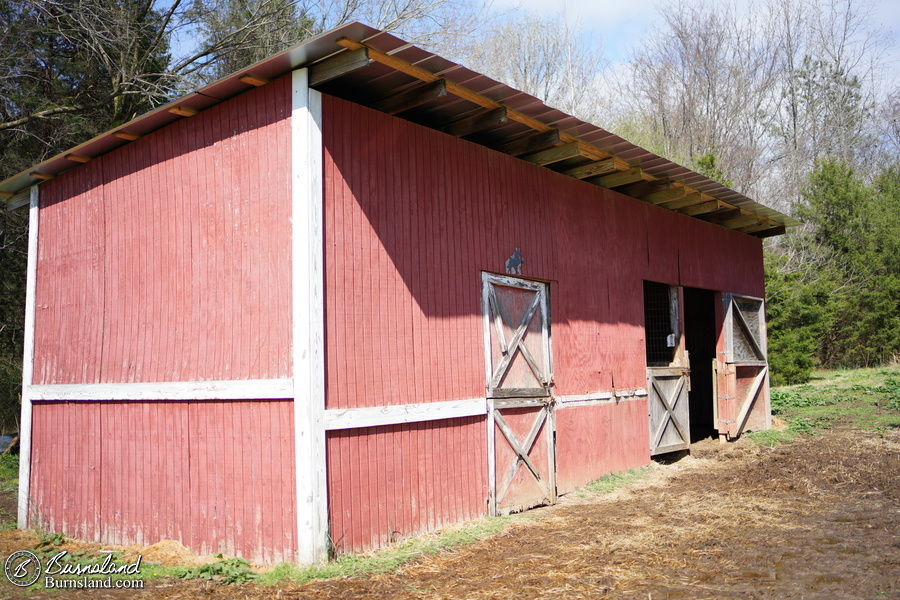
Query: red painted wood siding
[(168, 259), (387, 483), (596, 440), (412, 218), (218, 476)]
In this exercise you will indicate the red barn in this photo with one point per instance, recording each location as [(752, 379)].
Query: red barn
[(357, 292)]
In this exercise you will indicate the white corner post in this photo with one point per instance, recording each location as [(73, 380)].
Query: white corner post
[(308, 318), (28, 364)]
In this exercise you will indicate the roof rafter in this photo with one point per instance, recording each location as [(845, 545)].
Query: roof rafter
[(566, 147)]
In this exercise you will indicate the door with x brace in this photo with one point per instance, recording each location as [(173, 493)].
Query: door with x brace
[(667, 399), (518, 370)]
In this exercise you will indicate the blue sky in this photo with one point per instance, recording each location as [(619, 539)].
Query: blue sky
[(621, 24)]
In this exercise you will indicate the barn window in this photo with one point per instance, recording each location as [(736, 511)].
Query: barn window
[(660, 323), (745, 340)]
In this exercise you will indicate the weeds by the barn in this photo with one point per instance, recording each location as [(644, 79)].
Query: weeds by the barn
[(389, 559), (9, 485), (867, 399), (613, 481)]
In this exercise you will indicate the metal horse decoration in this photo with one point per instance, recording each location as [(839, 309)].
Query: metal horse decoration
[(514, 263)]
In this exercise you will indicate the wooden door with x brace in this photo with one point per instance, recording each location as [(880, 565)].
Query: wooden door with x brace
[(518, 369)]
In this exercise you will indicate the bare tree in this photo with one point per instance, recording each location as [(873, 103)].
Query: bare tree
[(703, 84), (547, 57)]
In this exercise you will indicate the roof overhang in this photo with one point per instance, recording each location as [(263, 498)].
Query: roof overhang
[(370, 67)]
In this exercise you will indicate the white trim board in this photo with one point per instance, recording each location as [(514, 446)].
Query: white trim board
[(28, 363), (308, 319), (241, 389), (374, 416), (600, 398)]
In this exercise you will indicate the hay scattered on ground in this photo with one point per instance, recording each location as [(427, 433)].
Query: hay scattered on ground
[(814, 519)]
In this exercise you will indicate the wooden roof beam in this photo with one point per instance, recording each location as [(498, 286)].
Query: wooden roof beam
[(673, 193), (721, 216), (183, 111), (632, 175), (338, 66), (742, 221), (778, 230), (478, 122), (530, 143), (19, 199), (253, 80), (412, 98), (703, 208), (461, 92), (597, 168), (554, 154), (126, 135), (688, 200), (753, 228)]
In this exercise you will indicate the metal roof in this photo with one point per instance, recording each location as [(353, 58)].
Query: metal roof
[(392, 67)]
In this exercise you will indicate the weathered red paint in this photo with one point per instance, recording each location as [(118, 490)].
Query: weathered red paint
[(386, 483), (218, 476), (166, 259), (413, 216), (598, 439)]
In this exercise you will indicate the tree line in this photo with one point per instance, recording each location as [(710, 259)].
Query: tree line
[(790, 102)]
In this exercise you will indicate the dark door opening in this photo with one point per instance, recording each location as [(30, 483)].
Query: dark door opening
[(700, 342)]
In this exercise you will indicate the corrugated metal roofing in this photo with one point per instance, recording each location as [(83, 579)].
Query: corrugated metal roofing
[(379, 80)]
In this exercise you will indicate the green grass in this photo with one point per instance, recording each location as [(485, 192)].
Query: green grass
[(9, 466), (388, 559), (613, 481), (771, 438), (867, 399), (9, 484)]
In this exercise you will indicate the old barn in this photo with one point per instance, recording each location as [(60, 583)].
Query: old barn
[(356, 292)]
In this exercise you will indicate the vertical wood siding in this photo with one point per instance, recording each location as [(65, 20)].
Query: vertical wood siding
[(218, 476), (168, 259), (387, 483), (596, 440), (413, 216)]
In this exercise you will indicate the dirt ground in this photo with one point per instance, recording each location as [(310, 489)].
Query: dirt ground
[(818, 518)]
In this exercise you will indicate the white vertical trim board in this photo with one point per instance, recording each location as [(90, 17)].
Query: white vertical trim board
[(28, 364), (308, 319)]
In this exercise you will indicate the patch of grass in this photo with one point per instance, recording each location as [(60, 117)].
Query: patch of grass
[(227, 571), (862, 398), (771, 437), (388, 559), (613, 481), (9, 466)]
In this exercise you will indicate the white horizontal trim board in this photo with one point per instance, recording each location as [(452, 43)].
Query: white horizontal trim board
[(374, 416), (600, 398), (240, 389)]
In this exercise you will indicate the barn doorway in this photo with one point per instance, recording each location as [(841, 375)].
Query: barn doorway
[(680, 337), (700, 342)]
